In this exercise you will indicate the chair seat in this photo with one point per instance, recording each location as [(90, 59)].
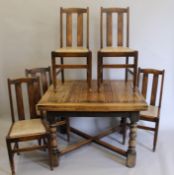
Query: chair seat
[(73, 49), (116, 49), (29, 127), (152, 111)]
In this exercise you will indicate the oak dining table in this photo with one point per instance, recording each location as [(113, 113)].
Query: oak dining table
[(116, 98)]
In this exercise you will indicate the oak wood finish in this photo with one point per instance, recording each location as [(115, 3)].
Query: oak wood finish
[(39, 130), (73, 96), (122, 31), (95, 139), (116, 99), (156, 89), (69, 49), (44, 73)]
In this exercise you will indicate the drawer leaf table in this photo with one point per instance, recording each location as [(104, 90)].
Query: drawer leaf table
[(72, 98)]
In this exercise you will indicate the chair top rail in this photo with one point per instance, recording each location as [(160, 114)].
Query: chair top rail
[(115, 10), (74, 10)]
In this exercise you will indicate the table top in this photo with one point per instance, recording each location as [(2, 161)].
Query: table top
[(115, 96)]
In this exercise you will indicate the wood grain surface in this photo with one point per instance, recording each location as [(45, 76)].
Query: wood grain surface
[(116, 95)]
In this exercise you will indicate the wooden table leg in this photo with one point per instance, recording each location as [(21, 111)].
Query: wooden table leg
[(53, 132), (131, 153), (54, 147)]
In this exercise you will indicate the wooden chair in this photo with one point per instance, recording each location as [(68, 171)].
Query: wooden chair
[(155, 98), (25, 129), (122, 46), (44, 73), (67, 49)]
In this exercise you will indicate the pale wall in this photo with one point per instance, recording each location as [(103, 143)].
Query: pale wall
[(29, 31)]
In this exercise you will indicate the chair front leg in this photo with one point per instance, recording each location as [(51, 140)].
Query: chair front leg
[(11, 156), (126, 71), (62, 70)]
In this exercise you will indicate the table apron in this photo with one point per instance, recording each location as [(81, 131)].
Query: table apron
[(133, 115)]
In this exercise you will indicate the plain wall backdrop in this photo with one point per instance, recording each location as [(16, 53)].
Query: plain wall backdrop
[(29, 31)]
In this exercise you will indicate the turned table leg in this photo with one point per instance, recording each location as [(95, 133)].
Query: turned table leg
[(55, 153), (131, 152), (54, 147)]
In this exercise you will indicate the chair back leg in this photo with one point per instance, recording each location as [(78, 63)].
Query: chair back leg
[(155, 135)]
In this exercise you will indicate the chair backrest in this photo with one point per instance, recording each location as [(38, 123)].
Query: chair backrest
[(68, 22), (121, 22), (151, 79), (44, 73), (16, 88)]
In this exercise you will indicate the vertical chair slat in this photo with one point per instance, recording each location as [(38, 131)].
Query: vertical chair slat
[(127, 28), (34, 96), (109, 29), (11, 101), (161, 89), (61, 27), (101, 27), (87, 33), (144, 85), (36, 90), (69, 29), (80, 29), (45, 76), (120, 29), (31, 94), (154, 89), (49, 76), (44, 81), (33, 74), (19, 101)]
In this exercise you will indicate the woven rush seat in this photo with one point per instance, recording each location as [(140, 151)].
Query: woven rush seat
[(72, 49), (116, 49), (25, 128), (152, 111)]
